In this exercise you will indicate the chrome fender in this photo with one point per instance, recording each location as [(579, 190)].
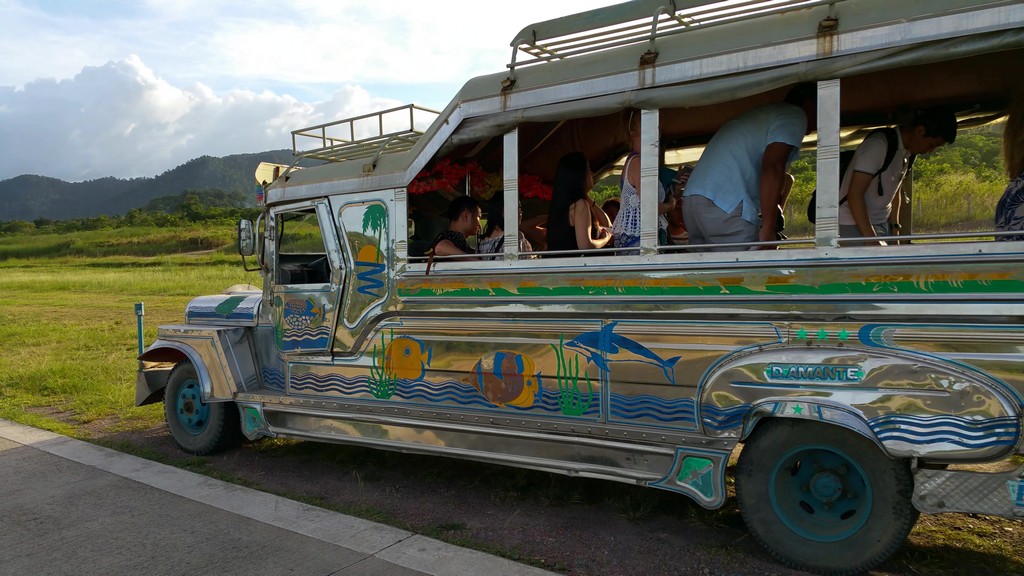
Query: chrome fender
[(156, 363), (224, 358), (912, 405)]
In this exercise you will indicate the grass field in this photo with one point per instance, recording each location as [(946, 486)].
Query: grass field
[(150, 241), (68, 330), (68, 336)]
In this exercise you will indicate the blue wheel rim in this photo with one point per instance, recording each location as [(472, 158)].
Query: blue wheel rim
[(193, 413), (820, 493)]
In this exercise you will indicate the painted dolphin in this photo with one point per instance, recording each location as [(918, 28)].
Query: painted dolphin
[(595, 345)]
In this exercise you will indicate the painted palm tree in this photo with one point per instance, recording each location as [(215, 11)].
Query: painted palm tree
[(375, 218)]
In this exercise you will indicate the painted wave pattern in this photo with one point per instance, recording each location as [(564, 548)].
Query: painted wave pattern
[(420, 391), (306, 338), (719, 419), (680, 411), (964, 432), (370, 278), (273, 379)]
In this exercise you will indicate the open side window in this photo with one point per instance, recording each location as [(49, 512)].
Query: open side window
[(306, 286), (301, 253)]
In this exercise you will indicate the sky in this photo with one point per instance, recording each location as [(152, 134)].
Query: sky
[(132, 88)]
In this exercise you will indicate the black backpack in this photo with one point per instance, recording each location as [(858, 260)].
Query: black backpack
[(846, 156)]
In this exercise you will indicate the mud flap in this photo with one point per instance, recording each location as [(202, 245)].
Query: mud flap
[(150, 384), (254, 425), (699, 474)]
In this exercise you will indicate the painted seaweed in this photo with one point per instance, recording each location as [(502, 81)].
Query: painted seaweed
[(572, 401), (381, 384)]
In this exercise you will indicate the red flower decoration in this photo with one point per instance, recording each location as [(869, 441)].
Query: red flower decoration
[(446, 175), (531, 186)]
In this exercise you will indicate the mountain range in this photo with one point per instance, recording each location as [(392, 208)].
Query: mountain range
[(29, 197)]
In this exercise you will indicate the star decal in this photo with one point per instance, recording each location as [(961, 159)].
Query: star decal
[(801, 334), (798, 409), (843, 334), (822, 334)]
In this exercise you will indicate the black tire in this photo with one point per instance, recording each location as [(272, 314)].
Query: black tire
[(198, 427), (822, 498)]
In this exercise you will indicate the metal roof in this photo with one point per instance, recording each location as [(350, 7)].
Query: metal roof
[(741, 57)]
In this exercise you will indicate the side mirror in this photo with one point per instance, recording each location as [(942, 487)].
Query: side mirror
[(246, 238)]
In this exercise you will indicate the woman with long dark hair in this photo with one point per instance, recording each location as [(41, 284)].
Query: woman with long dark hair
[(575, 222)]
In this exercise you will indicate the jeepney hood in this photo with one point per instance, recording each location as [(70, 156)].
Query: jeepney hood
[(233, 309)]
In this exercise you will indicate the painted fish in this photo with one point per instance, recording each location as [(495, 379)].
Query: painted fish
[(301, 314), (406, 358), (596, 344), (506, 378)]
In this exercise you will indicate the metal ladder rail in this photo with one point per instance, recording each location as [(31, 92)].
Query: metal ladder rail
[(335, 147)]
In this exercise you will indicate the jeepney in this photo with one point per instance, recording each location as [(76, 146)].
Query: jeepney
[(852, 376)]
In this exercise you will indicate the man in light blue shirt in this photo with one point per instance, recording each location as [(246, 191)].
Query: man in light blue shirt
[(733, 194)]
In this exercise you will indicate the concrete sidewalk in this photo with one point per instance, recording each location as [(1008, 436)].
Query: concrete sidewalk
[(70, 507)]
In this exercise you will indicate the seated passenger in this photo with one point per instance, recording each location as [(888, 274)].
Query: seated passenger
[(534, 230), (493, 239), (575, 222), (870, 191), (676, 227), (611, 207), (737, 186), (463, 221), (1010, 209)]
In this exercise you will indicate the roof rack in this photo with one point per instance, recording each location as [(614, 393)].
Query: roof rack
[(367, 136), (633, 23)]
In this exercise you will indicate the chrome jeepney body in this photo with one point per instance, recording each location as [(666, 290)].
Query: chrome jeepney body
[(649, 367)]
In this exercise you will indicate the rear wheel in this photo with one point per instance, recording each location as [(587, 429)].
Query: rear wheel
[(823, 498), (198, 427)]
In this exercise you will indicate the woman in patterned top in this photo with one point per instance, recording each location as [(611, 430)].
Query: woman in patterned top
[(1010, 209), (626, 227), (492, 241)]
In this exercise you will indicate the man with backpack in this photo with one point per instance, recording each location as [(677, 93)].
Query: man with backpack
[(870, 190)]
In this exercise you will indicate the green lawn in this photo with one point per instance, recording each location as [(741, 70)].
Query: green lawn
[(69, 336)]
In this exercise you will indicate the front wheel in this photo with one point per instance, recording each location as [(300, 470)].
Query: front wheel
[(198, 427), (822, 498)]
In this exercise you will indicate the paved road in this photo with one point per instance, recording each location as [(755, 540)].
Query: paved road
[(70, 507)]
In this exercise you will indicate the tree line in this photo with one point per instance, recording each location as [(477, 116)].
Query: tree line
[(206, 206)]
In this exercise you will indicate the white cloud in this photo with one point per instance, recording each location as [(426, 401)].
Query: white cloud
[(121, 119), (191, 77)]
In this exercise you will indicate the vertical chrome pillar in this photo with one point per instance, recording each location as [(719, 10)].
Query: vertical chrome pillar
[(510, 167), (826, 229), (650, 158)]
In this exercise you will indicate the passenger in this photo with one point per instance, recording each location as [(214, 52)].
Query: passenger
[(1010, 209), (575, 222), (862, 210), (463, 221), (742, 172), (535, 232), (493, 239), (677, 234), (611, 207), (626, 229)]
